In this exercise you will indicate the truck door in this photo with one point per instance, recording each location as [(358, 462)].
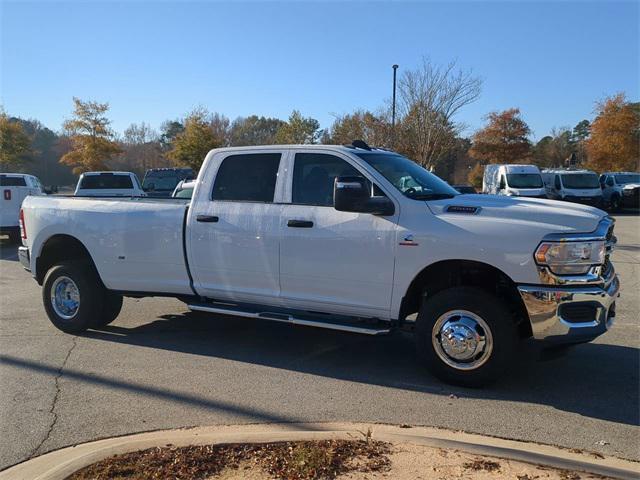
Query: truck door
[(234, 227), (331, 261)]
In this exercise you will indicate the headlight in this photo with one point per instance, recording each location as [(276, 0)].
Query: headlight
[(570, 258)]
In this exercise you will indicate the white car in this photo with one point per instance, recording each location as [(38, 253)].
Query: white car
[(337, 237), (15, 188), (513, 180), (578, 186), (621, 189), (109, 184), (184, 189)]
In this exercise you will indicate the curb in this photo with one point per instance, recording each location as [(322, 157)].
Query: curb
[(59, 464)]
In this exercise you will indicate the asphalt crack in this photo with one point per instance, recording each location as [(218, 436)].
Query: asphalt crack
[(54, 402)]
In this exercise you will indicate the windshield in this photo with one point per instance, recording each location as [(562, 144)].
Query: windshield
[(524, 180), (580, 180), (184, 193), (623, 178), (408, 177), (161, 183)]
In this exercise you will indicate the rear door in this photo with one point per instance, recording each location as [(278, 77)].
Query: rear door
[(233, 227), (331, 261), (14, 190)]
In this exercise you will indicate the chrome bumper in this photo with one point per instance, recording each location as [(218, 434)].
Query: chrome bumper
[(545, 304), (23, 256)]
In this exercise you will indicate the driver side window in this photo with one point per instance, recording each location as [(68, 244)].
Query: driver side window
[(557, 183)]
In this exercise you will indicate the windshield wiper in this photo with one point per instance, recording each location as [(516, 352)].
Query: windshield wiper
[(430, 196)]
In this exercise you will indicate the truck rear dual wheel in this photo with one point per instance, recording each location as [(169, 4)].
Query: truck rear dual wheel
[(466, 336), (75, 299)]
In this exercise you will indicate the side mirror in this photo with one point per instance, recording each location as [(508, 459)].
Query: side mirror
[(151, 187), (353, 194), (610, 182)]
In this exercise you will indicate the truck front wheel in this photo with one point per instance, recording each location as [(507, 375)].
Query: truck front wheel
[(112, 305), (466, 336), (73, 296)]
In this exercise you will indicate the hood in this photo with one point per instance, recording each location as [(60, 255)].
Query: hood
[(631, 186), (551, 216)]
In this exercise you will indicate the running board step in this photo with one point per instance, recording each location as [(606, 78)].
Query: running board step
[(295, 319)]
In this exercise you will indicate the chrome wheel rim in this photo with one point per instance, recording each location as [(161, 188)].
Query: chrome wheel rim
[(65, 297), (462, 340)]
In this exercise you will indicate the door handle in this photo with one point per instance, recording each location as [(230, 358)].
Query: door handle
[(300, 223), (207, 218)]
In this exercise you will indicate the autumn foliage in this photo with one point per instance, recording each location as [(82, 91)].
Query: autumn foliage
[(503, 140), (615, 136), (91, 138)]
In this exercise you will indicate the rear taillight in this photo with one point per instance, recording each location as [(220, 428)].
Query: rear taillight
[(23, 228), (7, 194)]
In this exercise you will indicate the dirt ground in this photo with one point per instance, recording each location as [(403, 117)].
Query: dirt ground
[(370, 461), (416, 462)]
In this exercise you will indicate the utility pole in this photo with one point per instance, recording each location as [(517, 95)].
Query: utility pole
[(393, 108)]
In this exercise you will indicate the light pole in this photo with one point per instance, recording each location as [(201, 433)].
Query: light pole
[(393, 107)]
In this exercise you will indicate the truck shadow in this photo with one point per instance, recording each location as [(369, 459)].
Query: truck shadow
[(594, 380), (8, 250)]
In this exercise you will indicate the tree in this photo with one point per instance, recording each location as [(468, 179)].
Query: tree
[(429, 99), (503, 140), (141, 148), (554, 150), (360, 125), (476, 175), (299, 130), (254, 130), (170, 129), (15, 144), (198, 137), (614, 143), (580, 134), (91, 137)]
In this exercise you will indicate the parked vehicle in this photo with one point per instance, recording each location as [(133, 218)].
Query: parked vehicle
[(513, 180), (331, 236), (161, 182), (620, 189), (184, 189), (15, 188), (465, 189), (108, 184), (579, 186)]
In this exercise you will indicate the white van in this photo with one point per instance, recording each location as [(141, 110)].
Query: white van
[(579, 186), (513, 180), (15, 188), (109, 184)]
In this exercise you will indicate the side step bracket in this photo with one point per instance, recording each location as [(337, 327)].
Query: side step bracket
[(345, 324)]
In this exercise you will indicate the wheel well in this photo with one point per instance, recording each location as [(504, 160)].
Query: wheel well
[(57, 249), (454, 273)]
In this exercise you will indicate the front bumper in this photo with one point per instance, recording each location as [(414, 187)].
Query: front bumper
[(591, 201), (546, 307), (24, 257)]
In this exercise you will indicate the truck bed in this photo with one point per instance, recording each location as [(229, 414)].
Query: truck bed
[(137, 244)]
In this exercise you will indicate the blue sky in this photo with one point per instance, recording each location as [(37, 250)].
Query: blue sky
[(157, 60)]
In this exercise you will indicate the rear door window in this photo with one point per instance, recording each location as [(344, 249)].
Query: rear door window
[(106, 182), (7, 181), (247, 178)]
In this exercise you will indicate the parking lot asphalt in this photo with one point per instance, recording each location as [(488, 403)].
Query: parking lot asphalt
[(160, 366)]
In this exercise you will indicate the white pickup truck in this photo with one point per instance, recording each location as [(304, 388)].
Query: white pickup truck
[(333, 237)]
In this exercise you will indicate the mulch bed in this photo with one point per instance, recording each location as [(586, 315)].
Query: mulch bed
[(306, 460)]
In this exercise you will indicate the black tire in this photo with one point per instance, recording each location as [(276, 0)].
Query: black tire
[(496, 316), (90, 292), (112, 304), (615, 203)]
